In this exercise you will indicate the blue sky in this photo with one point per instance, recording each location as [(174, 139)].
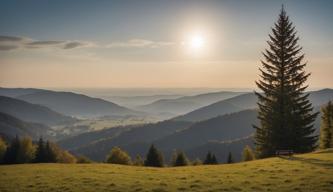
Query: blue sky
[(139, 43)]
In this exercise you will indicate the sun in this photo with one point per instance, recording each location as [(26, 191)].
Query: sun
[(196, 41)]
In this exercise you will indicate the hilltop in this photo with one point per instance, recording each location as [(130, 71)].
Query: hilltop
[(308, 172)]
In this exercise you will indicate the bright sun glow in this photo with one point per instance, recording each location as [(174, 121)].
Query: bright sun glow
[(196, 42)]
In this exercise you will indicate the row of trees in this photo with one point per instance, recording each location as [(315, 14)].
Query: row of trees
[(23, 150), (154, 158)]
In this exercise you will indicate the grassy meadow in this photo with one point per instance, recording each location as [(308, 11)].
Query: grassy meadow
[(307, 172)]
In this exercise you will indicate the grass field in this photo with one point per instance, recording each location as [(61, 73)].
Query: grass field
[(309, 172)]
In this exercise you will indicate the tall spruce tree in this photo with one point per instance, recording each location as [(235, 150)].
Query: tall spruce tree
[(326, 126), (285, 113)]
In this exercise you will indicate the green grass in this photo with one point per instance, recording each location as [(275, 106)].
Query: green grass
[(308, 172)]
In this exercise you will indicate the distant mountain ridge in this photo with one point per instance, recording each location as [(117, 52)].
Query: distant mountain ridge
[(68, 103), (243, 102), (136, 101), (11, 127), (98, 148), (15, 92), (186, 104), (75, 104), (220, 128), (32, 112)]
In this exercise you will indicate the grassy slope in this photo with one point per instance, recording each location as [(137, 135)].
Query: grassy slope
[(309, 172)]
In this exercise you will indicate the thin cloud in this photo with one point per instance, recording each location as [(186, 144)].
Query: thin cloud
[(139, 43), (8, 43), (45, 42), (8, 47), (10, 38), (78, 44)]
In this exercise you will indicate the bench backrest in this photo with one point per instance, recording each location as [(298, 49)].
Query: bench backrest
[(284, 152)]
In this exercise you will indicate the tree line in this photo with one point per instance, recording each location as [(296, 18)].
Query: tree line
[(24, 150), (155, 158)]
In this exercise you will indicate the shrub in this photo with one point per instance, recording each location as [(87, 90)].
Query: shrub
[(248, 154), (138, 161), (197, 162), (65, 157), (3, 148), (26, 151), (83, 159), (118, 156)]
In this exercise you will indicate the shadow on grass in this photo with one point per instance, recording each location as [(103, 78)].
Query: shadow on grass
[(318, 162)]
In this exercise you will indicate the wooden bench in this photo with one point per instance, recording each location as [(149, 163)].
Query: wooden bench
[(284, 152)]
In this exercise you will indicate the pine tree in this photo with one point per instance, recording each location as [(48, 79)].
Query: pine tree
[(154, 158), (40, 152), (210, 159), (12, 151), (214, 160), (285, 113), (230, 158), (181, 160), (326, 126), (50, 152)]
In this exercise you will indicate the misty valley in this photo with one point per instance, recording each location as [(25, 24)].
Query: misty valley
[(219, 122)]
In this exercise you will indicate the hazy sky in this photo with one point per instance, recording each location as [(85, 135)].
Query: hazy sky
[(64, 43)]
